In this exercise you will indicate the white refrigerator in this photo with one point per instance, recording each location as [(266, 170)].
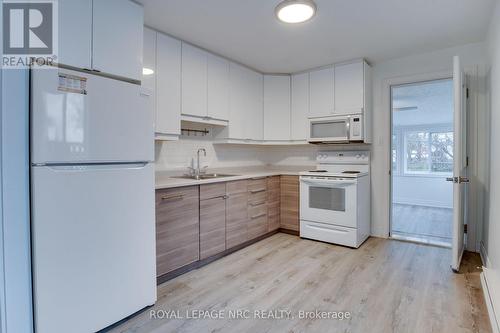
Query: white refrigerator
[(92, 200)]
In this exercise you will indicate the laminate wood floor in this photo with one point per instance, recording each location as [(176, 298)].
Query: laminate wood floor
[(386, 285), (428, 224)]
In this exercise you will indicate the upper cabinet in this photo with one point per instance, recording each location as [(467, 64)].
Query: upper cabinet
[(246, 105), (299, 124), (104, 36), (168, 87), (218, 87), (349, 88), (117, 38), (149, 61), (276, 107), (205, 86), (321, 92), (194, 81), (75, 33)]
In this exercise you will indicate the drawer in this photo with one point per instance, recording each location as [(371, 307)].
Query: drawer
[(257, 184), (257, 210), (329, 233), (257, 198), (237, 186), (210, 191)]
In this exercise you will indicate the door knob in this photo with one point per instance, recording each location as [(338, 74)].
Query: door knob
[(463, 180)]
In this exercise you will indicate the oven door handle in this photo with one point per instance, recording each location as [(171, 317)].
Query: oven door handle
[(329, 182)]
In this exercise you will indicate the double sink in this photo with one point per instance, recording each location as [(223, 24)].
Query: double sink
[(204, 176)]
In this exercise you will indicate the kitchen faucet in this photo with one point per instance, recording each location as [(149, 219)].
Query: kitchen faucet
[(198, 171)]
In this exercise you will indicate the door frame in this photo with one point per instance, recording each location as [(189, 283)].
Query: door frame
[(387, 93)]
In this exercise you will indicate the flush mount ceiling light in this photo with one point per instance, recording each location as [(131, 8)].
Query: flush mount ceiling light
[(147, 71), (295, 11)]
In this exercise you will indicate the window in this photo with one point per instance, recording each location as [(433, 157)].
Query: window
[(427, 151)]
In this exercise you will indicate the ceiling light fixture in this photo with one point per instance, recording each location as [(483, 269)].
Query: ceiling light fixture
[(147, 71), (295, 11)]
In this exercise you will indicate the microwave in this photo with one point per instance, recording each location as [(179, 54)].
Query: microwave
[(336, 129)]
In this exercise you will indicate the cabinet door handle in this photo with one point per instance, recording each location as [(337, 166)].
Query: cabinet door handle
[(257, 203), (172, 197), (258, 215), (258, 190)]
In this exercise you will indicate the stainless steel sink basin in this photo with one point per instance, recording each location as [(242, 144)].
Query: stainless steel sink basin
[(205, 176)]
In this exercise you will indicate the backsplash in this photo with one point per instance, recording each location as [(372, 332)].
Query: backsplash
[(178, 155)]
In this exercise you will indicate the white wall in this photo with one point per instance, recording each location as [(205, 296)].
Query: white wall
[(491, 242), (417, 67)]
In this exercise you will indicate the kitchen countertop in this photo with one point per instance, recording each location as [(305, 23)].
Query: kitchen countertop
[(164, 179)]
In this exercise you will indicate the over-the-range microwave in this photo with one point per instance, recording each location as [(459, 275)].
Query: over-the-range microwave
[(336, 129)]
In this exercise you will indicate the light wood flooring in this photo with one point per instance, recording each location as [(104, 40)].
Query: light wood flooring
[(427, 224), (386, 285)]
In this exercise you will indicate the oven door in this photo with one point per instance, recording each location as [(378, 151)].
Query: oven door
[(328, 200), (330, 129)]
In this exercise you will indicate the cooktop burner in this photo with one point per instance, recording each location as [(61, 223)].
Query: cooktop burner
[(351, 172)]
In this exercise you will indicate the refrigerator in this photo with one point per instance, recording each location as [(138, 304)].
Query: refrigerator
[(92, 200)]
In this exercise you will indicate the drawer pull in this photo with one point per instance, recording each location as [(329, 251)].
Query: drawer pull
[(173, 197), (258, 190), (257, 203), (258, 215)]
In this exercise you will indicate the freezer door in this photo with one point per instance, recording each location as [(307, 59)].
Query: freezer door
[(93, 234), (81, 117)]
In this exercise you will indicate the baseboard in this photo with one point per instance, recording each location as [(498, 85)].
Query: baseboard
[(289, 231), (494, 320)]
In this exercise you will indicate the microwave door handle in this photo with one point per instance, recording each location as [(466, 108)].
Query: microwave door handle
[(348, 128)]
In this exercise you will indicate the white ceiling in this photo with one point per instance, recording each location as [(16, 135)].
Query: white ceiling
[(248, 32)]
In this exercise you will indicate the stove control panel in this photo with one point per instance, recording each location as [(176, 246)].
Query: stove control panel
[(343, 157)]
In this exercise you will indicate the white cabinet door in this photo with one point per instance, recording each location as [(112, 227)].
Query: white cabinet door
[(254, 130), (300, 107), (349, 88), (117, 38), (218, 87), (75, 33), (168, 85), (149, 62), (276, 107), (237, 102), (194, 81), (321, 92)]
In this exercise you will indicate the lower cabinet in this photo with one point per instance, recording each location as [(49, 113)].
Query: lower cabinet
[(197, 222), (177, 228), (236, 213), (257, 207), (212, 219), (289, 202)]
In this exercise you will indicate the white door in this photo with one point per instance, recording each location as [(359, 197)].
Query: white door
[(168, 85), (75, 33), (93, 233), (321, 92), (459, 164), (218, 87), (76, 117), (194, 81), (117, 38), (276, 107)]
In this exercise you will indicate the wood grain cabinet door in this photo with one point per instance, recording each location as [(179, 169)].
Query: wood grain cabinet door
[(236, 213), (177, 228), (212, 219), (273, 202), (289, 213)]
